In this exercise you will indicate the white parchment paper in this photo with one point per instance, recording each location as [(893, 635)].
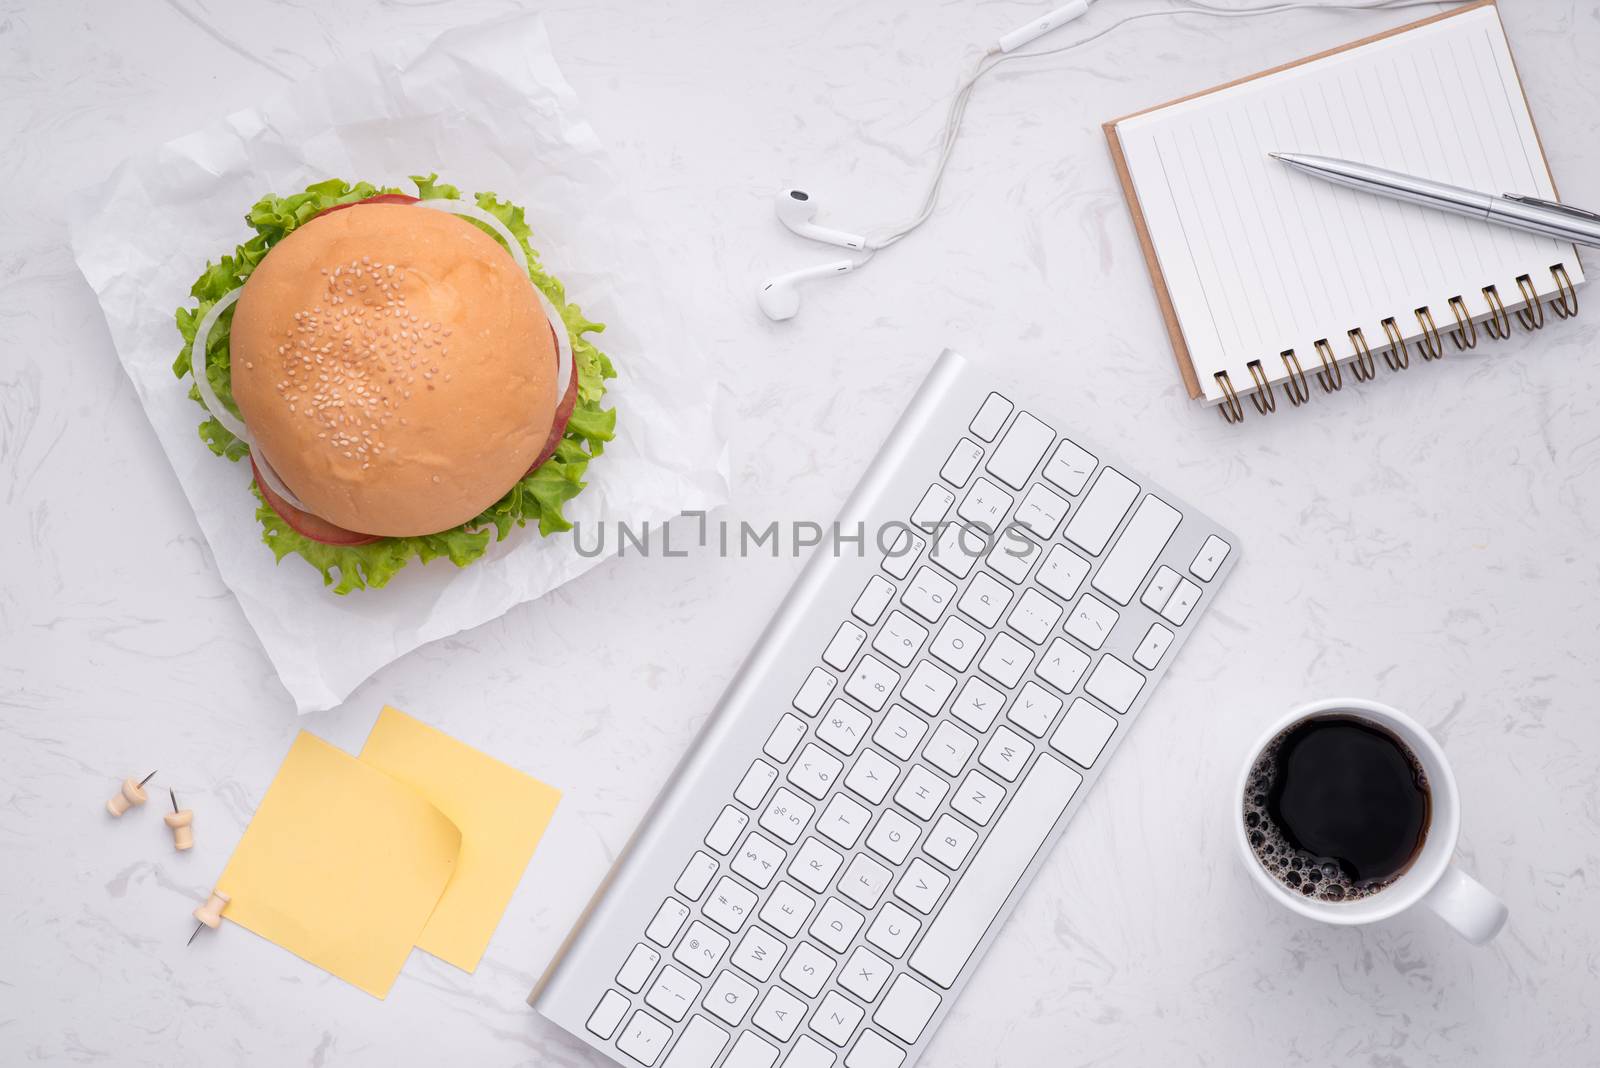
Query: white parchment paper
[(488, 108)]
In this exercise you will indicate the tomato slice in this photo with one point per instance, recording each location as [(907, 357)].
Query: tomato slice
[(304, 523), (558, 426), (381, 198)]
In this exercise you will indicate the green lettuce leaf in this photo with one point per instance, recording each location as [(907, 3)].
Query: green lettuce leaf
[(538, 498)]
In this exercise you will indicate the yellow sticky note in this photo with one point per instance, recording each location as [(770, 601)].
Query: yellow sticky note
[(341, 865), (502, 813)]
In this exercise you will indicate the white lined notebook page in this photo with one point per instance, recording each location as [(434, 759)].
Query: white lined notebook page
[(1259, 259)]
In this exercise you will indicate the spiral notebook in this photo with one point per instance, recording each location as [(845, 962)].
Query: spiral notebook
[(1273, 282)]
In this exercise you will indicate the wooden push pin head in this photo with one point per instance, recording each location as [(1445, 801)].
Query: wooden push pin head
[(132, 793), (181, 821), (210, 914)]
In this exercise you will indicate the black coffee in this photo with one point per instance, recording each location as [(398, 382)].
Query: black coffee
[(1337, 807)]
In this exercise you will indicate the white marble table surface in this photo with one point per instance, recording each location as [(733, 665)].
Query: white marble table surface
[(1432, 541)]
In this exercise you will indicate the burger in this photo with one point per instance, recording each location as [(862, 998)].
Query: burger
[(403, 377)]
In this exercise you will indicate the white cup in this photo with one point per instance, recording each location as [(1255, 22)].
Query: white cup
[(1431, 880)]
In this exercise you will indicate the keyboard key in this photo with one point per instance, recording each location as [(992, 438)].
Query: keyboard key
[(1083, 733), (1137, 548), (784, 738), (730, 999), (668, 919), (900, 732), (933, 507), (1182, 602), (958, 548), (1209, 559), (958, 642), (644, 1038), (906, 1009), (949, 748), (900, 638), (843, 821), (1154, 646), (1020, 451), (808, 969), (700, 949), (991, 417), (1035, 616), (871, 682), (1013, 555), (607, 1016), (814, 771), (1070, 467), (1006, 754), (1041, 511), (1115, 683), (809, 1053), (921, 792), (902, 553), (985, 599), (994, 872), (695, 878), (977, 704), (1006, 660), (1062, 572), (780, 1014), (985, 505), (865, 973), (636, 971), (872, 1050), (864, 881), (1035, 707), (673, 993), (1063, 665), (962, 462), (815, 864), (893, 837), (758, 954), (874, 599), (836, 1018), (928, 688), (786, 909), (893, 929), (836, 925), (929, 594), (1160, 589), (950, 841), (872, 776), (844, 727), (750, 1051), (813, 692), (847, 641), (729, 904), (1107, 501), (758, 860), (698, 1046), (756, 782), (921, 886), (977, 798), (1091, 621), (786, 815)]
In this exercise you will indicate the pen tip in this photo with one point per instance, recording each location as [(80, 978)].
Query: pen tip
[(1275, 155)]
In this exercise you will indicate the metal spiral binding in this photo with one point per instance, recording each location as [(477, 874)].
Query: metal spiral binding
[(1294, 387), (1232, 411), (1329, 378), (1429, 344), (1530, 298), (1362, 364), (1465, 332), (1262, 396), (1565, 303), (1499, 322), (1397, 355)]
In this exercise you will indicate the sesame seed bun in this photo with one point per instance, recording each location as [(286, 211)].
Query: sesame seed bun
[(395, 367)]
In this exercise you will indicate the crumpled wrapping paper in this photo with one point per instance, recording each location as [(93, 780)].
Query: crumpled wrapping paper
[(488, 108)]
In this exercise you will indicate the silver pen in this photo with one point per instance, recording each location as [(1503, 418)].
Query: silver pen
[(1519, 212)]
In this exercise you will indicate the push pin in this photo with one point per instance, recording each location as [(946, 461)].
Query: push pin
[(210, 914), (180, 820), (132, 793)]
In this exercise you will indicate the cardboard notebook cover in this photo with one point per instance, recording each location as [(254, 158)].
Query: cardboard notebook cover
[(1180, 348)]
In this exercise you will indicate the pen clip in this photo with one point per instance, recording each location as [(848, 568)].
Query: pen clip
[(1565, 209)]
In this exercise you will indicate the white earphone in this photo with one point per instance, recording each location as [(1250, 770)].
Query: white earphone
[(780, 299)]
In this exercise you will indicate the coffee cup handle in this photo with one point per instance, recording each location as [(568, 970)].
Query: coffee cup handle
[(1467, 905)]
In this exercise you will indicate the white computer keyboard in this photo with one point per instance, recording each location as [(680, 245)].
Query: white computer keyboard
[(818, 880)]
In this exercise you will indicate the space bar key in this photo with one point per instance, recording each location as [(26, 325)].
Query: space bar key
[(1016, 839)]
